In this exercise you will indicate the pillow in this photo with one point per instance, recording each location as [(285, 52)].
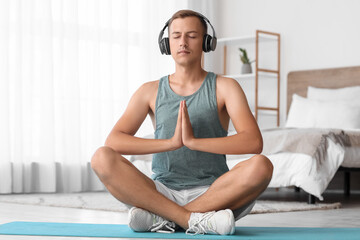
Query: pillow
[(345, 94), (309, 113)]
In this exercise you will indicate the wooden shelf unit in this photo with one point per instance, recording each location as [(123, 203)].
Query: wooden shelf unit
[(264, 35)]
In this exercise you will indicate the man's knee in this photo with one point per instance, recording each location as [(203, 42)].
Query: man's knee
[(102, 160), (263, 166)]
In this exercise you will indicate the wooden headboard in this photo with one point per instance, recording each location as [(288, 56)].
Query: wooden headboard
[(298, 81)]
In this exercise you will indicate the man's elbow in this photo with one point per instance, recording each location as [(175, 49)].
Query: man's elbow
[(109, 142), (258, 146)]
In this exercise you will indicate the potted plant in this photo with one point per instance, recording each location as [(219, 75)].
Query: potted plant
[(246, 67)]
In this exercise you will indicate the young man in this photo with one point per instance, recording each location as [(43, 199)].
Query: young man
[(192, 186)]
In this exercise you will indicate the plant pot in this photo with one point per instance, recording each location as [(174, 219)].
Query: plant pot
[(246, 68)]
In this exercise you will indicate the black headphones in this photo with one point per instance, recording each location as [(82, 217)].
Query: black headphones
[(209, 42)]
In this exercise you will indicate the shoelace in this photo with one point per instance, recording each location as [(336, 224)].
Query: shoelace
[(160, 224), (201, 224)]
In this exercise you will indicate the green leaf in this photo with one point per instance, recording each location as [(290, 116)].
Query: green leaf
[(243, 56)]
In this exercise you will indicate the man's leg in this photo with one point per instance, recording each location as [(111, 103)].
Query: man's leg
[(126, 183), (236, 188)]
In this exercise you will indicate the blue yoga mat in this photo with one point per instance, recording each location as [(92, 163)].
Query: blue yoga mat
[(123, 231)]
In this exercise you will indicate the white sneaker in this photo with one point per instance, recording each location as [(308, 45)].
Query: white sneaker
[(141, 220), (221, 222)]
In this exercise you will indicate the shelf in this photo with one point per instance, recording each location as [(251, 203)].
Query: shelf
[(251, 75), (241, 76), (257, 39), (233, 40), (265, 113), (244, 39)]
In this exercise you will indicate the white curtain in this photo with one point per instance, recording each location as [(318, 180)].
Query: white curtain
[(67, 71)]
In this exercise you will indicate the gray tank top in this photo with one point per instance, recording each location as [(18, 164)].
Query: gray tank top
[(185, 168)]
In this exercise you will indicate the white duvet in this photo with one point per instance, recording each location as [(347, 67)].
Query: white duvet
[(297, 169)]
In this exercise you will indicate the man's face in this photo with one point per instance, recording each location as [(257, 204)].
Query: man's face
[(186, 38)]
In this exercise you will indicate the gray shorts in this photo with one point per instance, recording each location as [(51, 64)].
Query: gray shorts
[(183, 197)]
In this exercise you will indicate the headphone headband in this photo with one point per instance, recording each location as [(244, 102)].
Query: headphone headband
[(209, 42), (207, 20), (162, 31)]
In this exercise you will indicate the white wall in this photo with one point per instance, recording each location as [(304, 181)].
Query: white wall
[(314, 34)]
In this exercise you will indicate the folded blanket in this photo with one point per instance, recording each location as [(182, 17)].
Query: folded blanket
[(310, 141)]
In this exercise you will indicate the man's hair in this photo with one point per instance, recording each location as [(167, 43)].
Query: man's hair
[(188, 13)]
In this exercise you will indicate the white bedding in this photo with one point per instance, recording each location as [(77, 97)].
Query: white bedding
[(297, 169)]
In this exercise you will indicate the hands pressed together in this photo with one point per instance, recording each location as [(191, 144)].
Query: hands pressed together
[(183, 135)]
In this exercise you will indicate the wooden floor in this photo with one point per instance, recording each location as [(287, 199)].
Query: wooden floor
[(347, 216)]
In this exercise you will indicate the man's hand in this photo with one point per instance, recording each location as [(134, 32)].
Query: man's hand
[(187, 131), (176, 140), (183, 135)]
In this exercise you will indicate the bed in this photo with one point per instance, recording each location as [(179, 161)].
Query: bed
[(309, 150), (335, 81), (322, 132)]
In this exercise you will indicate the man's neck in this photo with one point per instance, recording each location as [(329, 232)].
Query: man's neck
[(188, 75)]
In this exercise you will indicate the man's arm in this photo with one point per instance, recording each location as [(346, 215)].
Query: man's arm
[(248, 138), (121, 137)]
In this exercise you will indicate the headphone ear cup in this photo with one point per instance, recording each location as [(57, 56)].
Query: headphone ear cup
[(161, 45), (165, 46), (213, 43), (207, 43)]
